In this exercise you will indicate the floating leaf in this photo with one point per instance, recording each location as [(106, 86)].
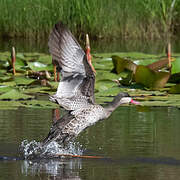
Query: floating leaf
[(10, 104), (39, 104), (19, 64), (8, 83), (32, 54), (113, 91), (150, 78), (127, 80), (5, 78), (175, 89), (45, 59), (21, 80), (158, 64), (4, 89), (39, 89), (14, 95), (37, 66), (121, 64), (145, 62), (175, 66), (104, 84), (106, 75), (4, 64)]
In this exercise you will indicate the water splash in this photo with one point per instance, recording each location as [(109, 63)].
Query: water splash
[(34, 149)]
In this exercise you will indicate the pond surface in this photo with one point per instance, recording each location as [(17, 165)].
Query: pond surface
[(99, 46), (135, 143)]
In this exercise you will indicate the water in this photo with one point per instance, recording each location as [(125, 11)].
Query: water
[(135, 143), (100, 46)]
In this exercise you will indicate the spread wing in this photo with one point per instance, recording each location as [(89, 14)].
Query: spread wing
[(77, 77)]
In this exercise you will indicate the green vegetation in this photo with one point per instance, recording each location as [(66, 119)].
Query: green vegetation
[(99, 18), (34, 81)]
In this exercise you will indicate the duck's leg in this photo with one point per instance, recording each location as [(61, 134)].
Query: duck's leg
[(13, 59), (88, 54)]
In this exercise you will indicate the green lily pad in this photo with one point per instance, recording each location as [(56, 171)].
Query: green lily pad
[(6, 78), (175, 66), (19, 64), (45, 59), (8, 83), (104, 84), (175, 89), (21, 80), (37, 66), (40, 104), (145, 62), (4, 64), (32, 54), (113, 91), (101, 75), (150, 78), (121, 64), (10, 104), (40, 89), (14, 95), (4, 89)]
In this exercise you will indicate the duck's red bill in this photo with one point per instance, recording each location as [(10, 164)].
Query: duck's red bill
[(134, 102)]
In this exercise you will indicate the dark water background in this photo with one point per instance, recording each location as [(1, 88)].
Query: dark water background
[(100, 46), (136, 143)]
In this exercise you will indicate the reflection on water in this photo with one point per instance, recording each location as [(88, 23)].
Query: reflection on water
[(136, 143), (100, 46), (55, 168)]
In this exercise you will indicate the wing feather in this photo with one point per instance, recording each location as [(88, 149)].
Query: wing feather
[(65, 50), (77, 77)]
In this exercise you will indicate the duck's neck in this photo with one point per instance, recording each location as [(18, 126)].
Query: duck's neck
[(112, 106)]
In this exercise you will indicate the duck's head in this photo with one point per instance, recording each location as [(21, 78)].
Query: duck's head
[(121, 98), (124, 98)]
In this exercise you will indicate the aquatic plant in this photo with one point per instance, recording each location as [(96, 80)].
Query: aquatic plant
[(31, 82)]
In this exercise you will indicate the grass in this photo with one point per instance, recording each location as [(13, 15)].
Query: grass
[(99, 18)]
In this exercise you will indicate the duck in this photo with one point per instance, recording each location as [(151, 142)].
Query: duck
[(75, 92)]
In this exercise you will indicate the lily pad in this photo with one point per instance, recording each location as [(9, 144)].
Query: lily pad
[(21, 80), (19, 64), (8, 83), (37, 66), (10, 104), (14, 95), (101, 75), (38, 89), (104, 84), (150, 78), (175, 89), (40, 104), (4, 89), (6, 78), (175, 66), (113, 91), (45, 59), (121, 64)]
